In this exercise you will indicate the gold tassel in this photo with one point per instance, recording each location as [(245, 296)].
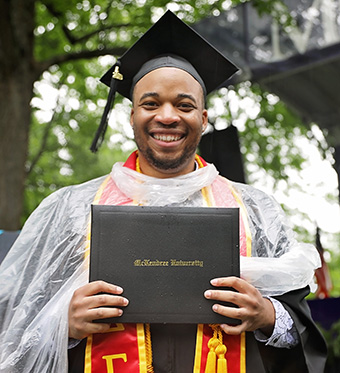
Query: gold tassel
[(216, 352), (221, 362), (211, 359)]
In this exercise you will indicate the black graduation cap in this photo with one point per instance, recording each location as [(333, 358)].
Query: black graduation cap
[(169, 35)]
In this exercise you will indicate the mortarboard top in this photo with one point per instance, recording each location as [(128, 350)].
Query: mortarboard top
[(169, 35)]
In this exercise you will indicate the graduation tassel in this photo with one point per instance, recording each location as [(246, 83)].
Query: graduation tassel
[(99, 136)]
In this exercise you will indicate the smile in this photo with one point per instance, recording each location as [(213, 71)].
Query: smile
[(166, 138)]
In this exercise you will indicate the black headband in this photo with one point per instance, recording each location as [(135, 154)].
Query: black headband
[(169, 60)]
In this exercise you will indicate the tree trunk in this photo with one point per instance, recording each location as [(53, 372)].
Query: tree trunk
[(337, 165), (16, 88)]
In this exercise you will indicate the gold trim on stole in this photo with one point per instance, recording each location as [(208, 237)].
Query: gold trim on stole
[(95, 202), (88, 357), (88, 349), (198, 349), (248, 245), (243, 214), (141, 348)]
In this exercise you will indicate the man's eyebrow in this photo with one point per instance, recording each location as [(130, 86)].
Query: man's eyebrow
[(149, 94), (185, 95), (180, 95)]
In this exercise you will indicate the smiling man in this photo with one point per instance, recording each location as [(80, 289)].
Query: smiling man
[(168, 119), (47, 306)]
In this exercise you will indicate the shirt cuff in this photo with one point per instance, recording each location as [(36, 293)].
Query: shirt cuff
[(73, 343), (284, 334)]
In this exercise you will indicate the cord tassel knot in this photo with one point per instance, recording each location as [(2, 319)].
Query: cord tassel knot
[(216, 361)]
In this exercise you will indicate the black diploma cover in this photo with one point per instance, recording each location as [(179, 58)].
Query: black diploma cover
[(164, 258)]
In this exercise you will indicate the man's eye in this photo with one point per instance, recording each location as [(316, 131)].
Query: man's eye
[(186, 106), (149, 104)]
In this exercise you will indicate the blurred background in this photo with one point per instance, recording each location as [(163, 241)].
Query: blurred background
[(276, 124)]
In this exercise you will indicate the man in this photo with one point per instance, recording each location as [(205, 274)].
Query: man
[(51, 307)]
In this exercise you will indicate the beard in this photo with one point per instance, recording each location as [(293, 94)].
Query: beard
[(164, 161), (167, 162)]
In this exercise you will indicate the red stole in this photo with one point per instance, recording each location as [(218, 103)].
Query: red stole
[(125, 348), (122, 349)]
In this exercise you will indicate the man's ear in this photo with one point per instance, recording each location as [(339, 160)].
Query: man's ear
[(204, 120), (131, 117)]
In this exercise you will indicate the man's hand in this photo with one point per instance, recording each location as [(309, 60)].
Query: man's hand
[(254, 311), (84, 308)]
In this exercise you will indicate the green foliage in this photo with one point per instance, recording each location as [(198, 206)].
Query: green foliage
[(272, 157), (73, 26), (65, 159), (267, 129), (270, 135)]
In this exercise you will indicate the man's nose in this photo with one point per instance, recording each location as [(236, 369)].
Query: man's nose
[(167, 114)]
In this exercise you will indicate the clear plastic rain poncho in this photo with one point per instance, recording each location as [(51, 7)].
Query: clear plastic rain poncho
[(46, 263)]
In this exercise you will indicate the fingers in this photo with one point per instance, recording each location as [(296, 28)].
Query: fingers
[(237, 283), (254, 311), (86, 301), (100, 306), (233, 329), (239, 297), (229, 296), (236, 312), (94, 301), (263, 320), (103, 300), (98, 287)]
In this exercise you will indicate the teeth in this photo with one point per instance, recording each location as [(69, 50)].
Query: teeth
[(167, 138)]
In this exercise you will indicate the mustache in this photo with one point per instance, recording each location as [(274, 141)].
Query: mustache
[(161, 127)]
